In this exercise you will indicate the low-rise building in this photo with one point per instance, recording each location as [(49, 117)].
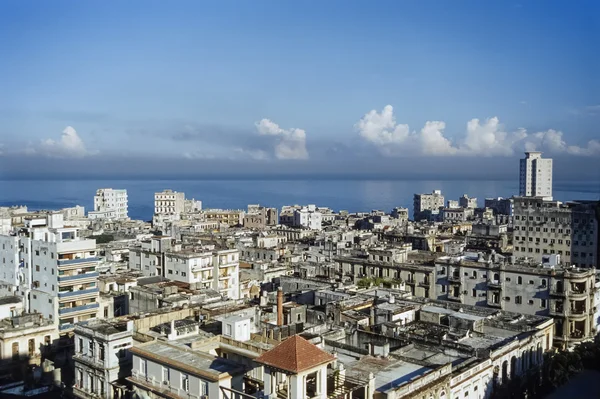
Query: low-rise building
[(102, 358), (163, 370)]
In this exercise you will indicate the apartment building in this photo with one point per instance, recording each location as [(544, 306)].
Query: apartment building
[(102, 358), (230, 217), (259, 217), (535, 178), (202, 266), (52, 269), (110, 204), (500, 206), (164, 370), (466, 202), (424, 204), (25, 338), (566, 294), (570, 230)]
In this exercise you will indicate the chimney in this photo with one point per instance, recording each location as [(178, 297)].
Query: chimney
[(279, 306)]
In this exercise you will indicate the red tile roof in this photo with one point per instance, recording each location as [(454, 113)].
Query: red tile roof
[(295, 355)]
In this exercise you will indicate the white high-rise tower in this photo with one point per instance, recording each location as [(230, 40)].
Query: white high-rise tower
[(535, 179)]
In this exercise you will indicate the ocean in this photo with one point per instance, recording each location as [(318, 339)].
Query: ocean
[(353, 195)]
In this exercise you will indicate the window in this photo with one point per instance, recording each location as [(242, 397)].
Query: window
[(543, 303), (185, 382), (37, 268), (518, 300), (166, 375), (531, 301), (531, 282), (543, 282), (183, 274), (91, 348), (519, 280), (474, 274), (203, 388), (101, 351), (474, 292), (143, 367), (170, 271), (508, 279)]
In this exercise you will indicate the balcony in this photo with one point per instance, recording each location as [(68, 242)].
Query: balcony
[(578, 294), (66, 311), (455, 278), (81, 276), (557, 312), (555, 292), (69, 294), (424, 284), (494, 285), (67, 262), (66, 326), (225, 276)]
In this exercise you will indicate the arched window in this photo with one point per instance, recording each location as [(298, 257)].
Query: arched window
[(519, 280)]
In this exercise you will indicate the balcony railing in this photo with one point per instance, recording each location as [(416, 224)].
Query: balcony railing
[(66, 326), (77, 276), (65, 262), (78, 308), (68, 294)]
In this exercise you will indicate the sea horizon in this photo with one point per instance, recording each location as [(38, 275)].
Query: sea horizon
[(351, 194)]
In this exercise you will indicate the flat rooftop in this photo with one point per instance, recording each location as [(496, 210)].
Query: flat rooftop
[(197, 363), (389, 373)]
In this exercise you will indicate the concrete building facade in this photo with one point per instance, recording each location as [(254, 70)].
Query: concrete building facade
[(427, 202), (535, 178), (102, 358), (110, 204)]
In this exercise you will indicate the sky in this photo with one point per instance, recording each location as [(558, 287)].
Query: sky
[(342, 87)]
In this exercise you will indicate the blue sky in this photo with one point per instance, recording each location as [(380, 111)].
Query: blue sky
[(232, 79)]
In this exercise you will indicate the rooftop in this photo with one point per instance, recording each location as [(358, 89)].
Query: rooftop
[(295, 355), (198, 363)]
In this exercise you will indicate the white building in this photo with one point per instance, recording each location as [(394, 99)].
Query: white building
[(169, 202), (466, 202), (205, 268), (109, 204), (308, 217), (427, 202), (52, 269), (535, 179), (102, 358), (162, 370)]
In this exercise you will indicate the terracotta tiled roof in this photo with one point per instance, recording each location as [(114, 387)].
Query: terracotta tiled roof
[(295, 355)]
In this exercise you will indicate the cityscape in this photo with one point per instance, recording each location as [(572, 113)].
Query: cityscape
[(278, 199), (461, 300)]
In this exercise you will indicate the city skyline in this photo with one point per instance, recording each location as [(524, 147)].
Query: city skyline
[(305, 88)]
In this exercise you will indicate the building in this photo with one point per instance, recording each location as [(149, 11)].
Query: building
[(168, 206), (229, 217), (566, 294), (308, 217), (295, 369), (535, 179), (427, 202), (24, 338), (53, 269), (164, 370), (585, 230), (259, 217), (500, 206), (204, 267), (466, 202), (110, 204), (102, 358)]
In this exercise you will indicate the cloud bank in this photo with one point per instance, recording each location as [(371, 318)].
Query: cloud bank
[(482, 138), (289, 144), (70, 145)]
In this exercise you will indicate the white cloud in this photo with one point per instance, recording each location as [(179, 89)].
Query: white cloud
[(70, 145), (487, 138), (381, 128), (290, 143)]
